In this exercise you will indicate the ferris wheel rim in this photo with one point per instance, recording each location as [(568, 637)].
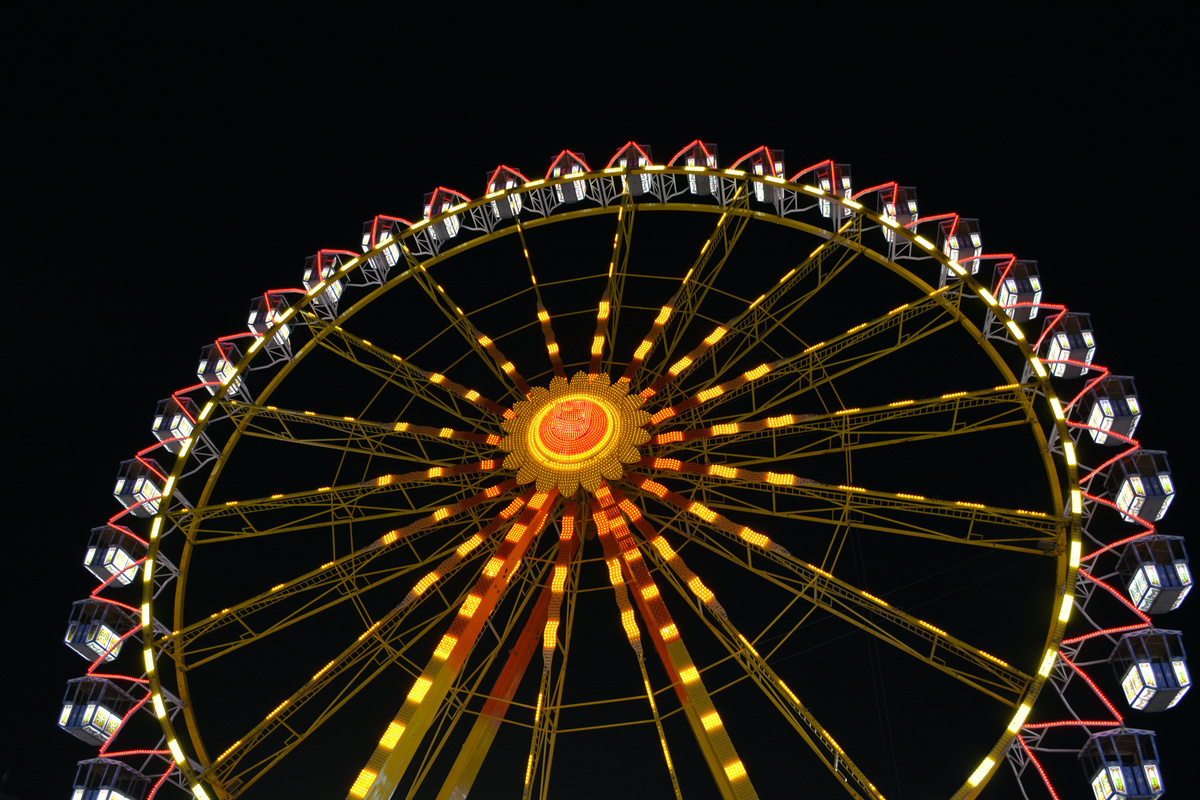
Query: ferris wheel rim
[(392, 284)]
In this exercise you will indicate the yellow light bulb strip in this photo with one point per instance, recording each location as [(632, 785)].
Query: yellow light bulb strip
[(702, 512), (612, 559), (465, 549), (503, 363), (470, 395), (671, 647), (551, 344), (681, 366), (558, 581), (418, 712), (643, 350), (599, 337), (712, 393), (442, 514), (432, 432), (667, 553)]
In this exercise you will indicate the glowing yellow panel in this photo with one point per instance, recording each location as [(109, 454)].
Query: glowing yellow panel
[(1019, 718), (758, 372), (709, 394), (981, 771), (689, 675), (362, 783), (703, 512), (716, 335), (722, 471), (711, 720), (445, 646), (391, 735), (700, 590), (753, 537), (679, 366), (734, 770), (1065, 612), (669, 632), (419, 689)]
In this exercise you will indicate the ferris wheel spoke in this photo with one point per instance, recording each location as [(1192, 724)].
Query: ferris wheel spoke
[(703, 274), (331, 584), (851, 429), (247, 622), (357, 502), (616, 577), (482, 345), (358, 435), (726, 767), (773, 384), (615, 287), (435, 389), (404, 735), (462, 774), (916, 637), (771, 311), (754, 666), (841, 507), (379, 647)]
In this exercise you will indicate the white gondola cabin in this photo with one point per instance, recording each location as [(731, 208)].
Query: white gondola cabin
[(898, 207), (698, 156), (174, 421), (383, 232), (1156, 573), (113, 554), (218, 367), (1141, 485), (108, 779), (1018, 289), (1112, 407), (1122, 765), (568, 163), (1152, 668), (93, 708), (833, 179), (634, 156), (139, 486), (320, 270), (96, 627), (444, 201), (505, 179), (768, 163), (266, 311), (960, 241), (1069, 345)]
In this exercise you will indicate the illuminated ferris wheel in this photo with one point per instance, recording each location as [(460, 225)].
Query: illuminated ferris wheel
[(655, 478)]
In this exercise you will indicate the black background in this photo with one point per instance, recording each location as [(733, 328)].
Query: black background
[(165, 166)]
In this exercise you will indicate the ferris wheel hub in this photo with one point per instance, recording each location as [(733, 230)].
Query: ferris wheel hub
[(574, 433)]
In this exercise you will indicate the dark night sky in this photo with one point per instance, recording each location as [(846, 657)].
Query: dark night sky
[(170, 166)]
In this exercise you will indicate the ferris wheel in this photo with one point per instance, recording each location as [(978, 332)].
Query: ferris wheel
[(669, 477)]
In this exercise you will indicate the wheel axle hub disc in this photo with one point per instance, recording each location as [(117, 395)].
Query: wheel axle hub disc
[(574, 433)]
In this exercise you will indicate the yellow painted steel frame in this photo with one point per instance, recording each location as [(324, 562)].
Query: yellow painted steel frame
[(400, 742)]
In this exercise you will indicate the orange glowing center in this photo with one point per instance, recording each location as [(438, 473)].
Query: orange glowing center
[(572, 430)]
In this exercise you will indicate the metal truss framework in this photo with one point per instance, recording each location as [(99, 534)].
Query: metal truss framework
[(452, 572)]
